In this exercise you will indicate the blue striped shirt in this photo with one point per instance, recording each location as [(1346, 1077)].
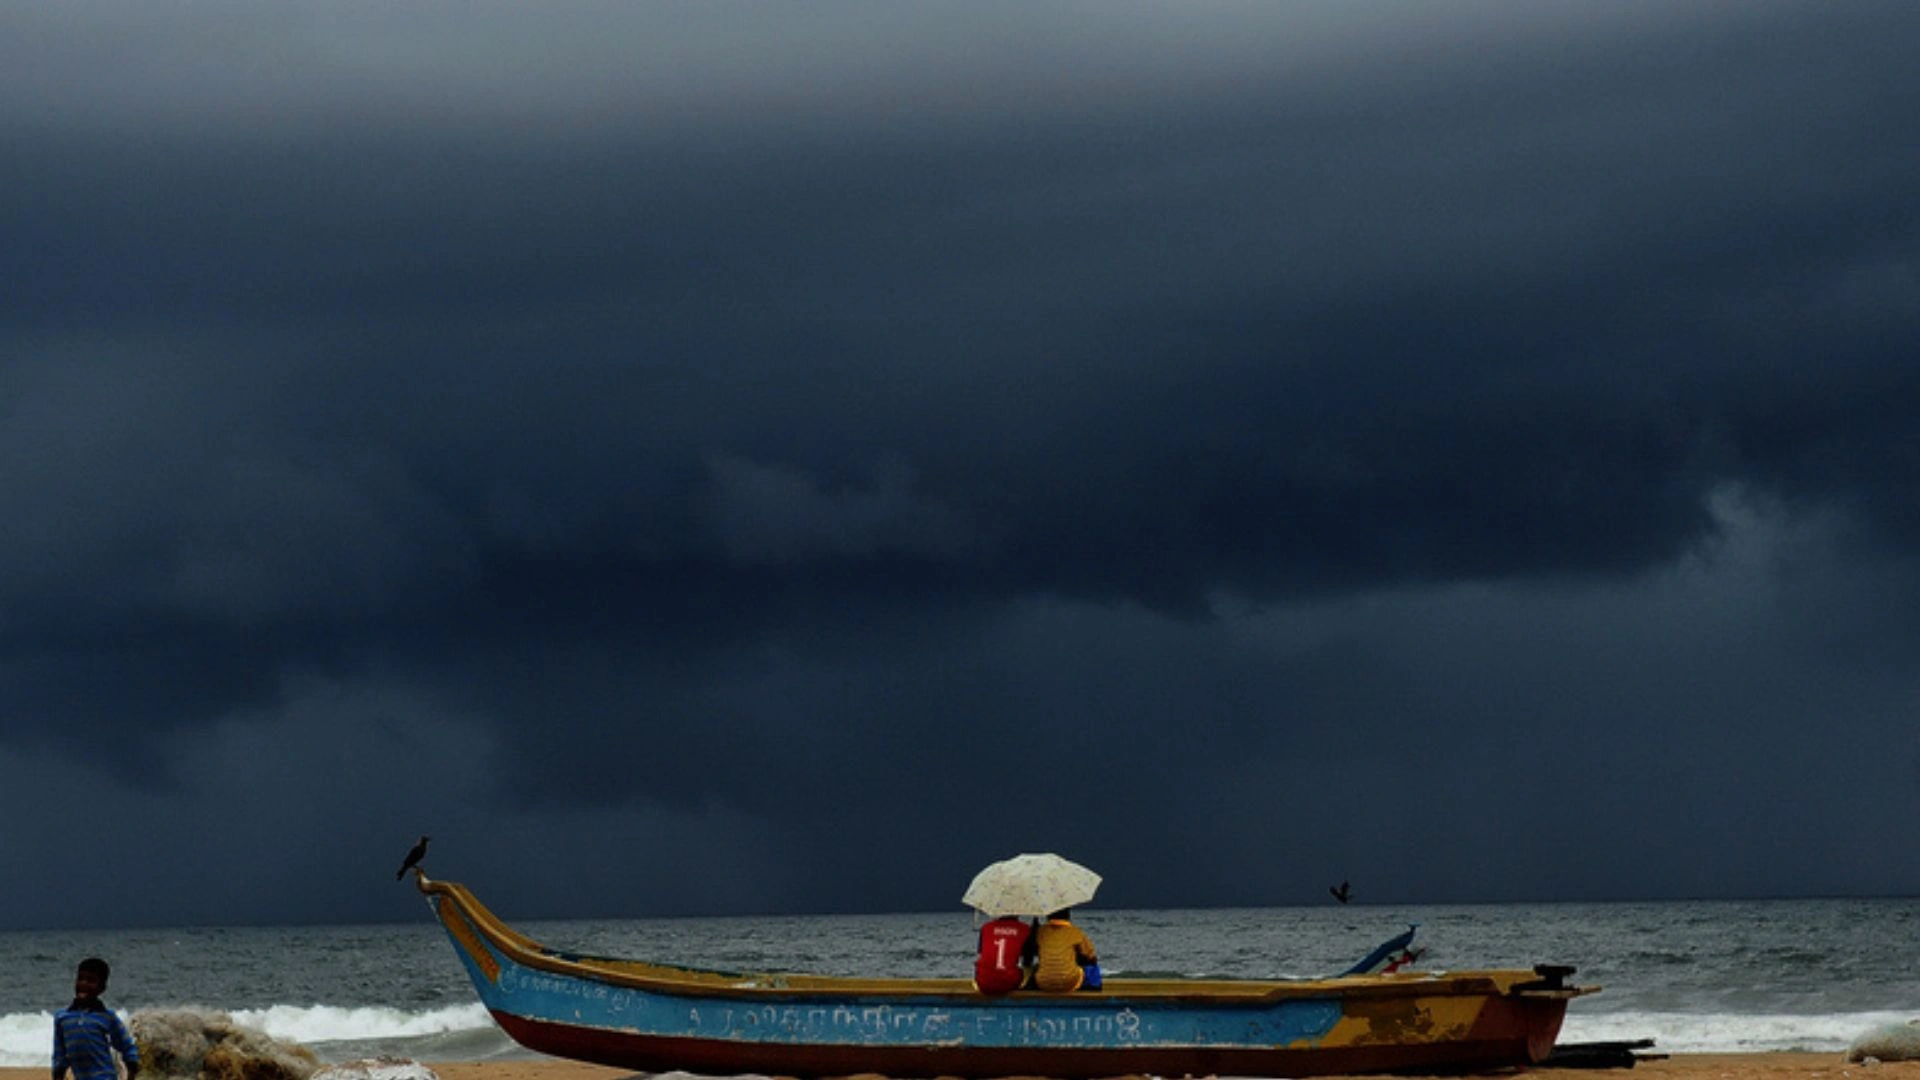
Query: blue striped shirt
[(84, 1040)]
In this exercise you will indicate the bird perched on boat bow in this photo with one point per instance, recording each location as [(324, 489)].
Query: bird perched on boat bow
[(413, 858)]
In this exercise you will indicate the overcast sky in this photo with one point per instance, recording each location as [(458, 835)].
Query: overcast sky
[(713, 458)]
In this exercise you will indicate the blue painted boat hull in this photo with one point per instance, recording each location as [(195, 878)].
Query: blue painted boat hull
[(651, 1017)]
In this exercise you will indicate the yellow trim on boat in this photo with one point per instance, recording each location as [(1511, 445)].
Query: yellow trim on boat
[(456, 924), (1423, 990)]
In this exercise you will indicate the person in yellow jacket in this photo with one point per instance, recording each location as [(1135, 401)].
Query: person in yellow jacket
[(1064, 953)]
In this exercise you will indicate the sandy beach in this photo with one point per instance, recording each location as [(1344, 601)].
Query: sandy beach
[(1771, 1066)]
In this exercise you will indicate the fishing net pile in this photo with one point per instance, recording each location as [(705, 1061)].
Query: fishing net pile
[(188, 1044), (1889, 1042)]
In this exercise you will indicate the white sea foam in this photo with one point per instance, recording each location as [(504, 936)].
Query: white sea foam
[(1717, 1033), (26, 1039), (331, 1023)]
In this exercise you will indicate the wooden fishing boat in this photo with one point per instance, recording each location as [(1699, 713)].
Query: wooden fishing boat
[(655, 1017)]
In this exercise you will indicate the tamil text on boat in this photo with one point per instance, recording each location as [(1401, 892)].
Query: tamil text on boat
[(655, 1017)]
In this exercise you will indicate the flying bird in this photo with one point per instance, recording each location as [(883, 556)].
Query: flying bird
[(1340, 892), (413, 858)]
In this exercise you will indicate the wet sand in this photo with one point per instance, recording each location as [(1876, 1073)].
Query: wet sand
[(1677, 1067)]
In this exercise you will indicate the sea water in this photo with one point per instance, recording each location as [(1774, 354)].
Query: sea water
[(1692, 976)]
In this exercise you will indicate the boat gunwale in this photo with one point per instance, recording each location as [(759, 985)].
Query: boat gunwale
[(776, 986)]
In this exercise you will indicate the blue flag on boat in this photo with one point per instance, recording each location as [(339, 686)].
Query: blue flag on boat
[(1391, 955)]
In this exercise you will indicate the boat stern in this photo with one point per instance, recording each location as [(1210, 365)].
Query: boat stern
[(1460, 1020), (1541, 1006)]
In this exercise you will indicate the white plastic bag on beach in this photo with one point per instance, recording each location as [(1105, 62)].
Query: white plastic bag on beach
[(378, 1068)]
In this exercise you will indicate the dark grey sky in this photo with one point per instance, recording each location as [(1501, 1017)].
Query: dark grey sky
[(745, 458)]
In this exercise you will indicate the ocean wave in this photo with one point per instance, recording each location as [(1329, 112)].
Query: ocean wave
[(333, 1023), (1724, 1033), (26, 1039)]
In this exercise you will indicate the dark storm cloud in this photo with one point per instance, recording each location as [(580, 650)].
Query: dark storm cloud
[(731, 419)]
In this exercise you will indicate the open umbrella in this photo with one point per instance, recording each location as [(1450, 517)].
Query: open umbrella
[(1031, 885)]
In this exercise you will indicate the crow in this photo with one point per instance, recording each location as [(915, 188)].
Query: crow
[(413, 858), (1341, 892)]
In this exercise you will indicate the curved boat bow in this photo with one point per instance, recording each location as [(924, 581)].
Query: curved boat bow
[(656, 1017)]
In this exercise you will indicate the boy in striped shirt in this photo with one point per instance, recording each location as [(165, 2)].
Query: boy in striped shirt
[(86, 1033)]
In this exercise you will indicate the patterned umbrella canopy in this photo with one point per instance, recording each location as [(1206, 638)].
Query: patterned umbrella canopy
[(1031, 885)]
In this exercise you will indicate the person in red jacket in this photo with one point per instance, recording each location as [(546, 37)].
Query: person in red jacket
[(1006, 952)]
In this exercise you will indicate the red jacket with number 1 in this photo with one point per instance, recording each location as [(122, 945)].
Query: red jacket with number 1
[(1003, 949)]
